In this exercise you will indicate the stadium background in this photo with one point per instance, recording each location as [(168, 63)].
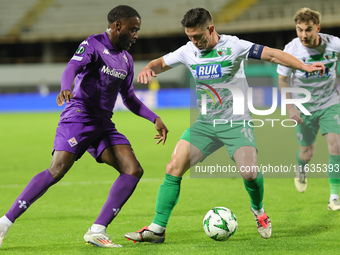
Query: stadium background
[(38, 37)]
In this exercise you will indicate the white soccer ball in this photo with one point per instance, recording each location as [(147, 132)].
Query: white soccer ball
[(220, 223)]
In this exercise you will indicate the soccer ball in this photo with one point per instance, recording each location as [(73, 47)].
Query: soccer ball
[(220, 223)]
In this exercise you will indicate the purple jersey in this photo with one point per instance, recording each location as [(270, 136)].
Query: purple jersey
[(101, 72)]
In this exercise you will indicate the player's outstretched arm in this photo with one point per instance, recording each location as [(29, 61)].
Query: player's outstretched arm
[(155, 67), (292, 111), (162, 131), (283, 58), (66, 82)]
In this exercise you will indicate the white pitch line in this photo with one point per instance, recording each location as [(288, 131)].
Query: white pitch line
[(83, 183)]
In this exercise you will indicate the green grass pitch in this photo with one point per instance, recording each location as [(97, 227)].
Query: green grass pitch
[(56, 223)]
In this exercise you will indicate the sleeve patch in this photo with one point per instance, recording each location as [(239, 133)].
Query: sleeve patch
[(77, 58), (80, 50)]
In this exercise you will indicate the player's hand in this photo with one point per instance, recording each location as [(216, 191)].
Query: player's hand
[(315, 67), (162, 131), (146, 75), (65, 95), (294, 114)]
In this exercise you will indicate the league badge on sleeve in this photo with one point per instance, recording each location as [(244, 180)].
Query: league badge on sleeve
[(80, 50)]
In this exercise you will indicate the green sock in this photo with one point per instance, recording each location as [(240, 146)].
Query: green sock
[(255, 191), (334, 173), (299, 161), (167, 198)]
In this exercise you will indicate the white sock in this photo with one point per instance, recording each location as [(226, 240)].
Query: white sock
[(334, 197), (156, 228), (259, 212), (97, 228), (6, 221)]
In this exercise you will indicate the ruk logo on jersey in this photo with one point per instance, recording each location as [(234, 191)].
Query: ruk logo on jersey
[(206, 72), (317, 74)]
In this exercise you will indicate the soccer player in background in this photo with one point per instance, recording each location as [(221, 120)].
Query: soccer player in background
[(102, 68), (311, 46), (219, 58)]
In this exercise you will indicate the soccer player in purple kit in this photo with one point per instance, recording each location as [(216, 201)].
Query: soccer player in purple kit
[(102, 68)]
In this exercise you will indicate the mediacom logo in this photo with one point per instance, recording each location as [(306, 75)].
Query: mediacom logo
[(121, 74)]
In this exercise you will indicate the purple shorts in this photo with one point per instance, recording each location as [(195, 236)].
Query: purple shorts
[(92, 136)]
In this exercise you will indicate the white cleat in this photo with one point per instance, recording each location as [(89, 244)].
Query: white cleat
[(334, 205), (3, 231), (100, 239), (145, 235), (300, 179)]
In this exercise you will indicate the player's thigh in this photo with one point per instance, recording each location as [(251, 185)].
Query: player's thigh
[(333, 143), (109, 137), (202, 138), (123, 159), (76, 137), (184, 155), (61, 162), (246, 161), (330, 127), (237, 136)]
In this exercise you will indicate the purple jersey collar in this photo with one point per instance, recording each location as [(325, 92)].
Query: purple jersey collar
[(107, 42)]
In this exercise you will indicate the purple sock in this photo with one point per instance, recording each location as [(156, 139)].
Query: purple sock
[(119, 193), (34, 189)]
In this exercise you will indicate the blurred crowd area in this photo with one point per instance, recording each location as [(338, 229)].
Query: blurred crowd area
[(46, 33)]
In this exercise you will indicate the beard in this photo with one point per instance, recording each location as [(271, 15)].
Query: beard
[(123, 42)]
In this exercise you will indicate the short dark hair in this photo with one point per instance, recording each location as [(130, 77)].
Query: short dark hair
[(121, 12), (197, 17)]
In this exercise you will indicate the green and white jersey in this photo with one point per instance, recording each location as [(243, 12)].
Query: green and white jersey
[(212, 70), (323, 89)]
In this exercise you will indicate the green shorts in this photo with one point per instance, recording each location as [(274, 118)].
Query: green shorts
[(328, 120), (208, 138)]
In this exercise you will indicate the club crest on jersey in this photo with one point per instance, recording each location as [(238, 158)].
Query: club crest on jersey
[(126, 60), (223, 51), (206, 72), (73, 142), (328, 55)]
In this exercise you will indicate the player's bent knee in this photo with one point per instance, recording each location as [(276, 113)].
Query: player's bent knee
[(58, 171), (307, 156), (248, 176), (135, 171), (174, 169)]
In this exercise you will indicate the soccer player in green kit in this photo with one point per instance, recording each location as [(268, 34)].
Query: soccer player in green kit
[(311, 46), (214, 60)]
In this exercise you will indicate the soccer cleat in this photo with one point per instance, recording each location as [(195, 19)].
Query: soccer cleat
[(146, 235), (264, 225), (300, 179), (3, 231), (334, 205), (100, 239)]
